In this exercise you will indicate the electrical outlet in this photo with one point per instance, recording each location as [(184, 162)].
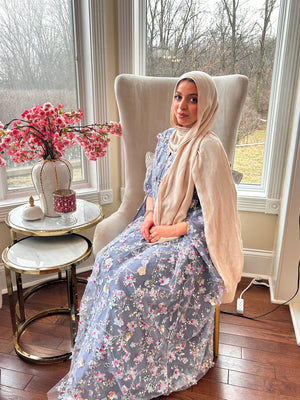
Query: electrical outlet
[(240, 306)]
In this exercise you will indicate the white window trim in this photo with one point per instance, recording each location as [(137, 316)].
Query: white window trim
[(92, 78), (258, 198)]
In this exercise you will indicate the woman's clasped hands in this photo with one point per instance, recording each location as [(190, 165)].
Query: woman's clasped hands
[(153, 233)]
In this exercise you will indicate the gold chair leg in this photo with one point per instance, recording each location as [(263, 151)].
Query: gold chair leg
[(217, 331), (73, 300)]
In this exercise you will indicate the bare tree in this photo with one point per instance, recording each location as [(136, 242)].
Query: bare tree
[(36, 45), (269, 8), (231, 11), (37, 55), (173, 32)]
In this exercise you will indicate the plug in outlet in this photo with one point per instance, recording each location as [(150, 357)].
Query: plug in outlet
[(240, 306)]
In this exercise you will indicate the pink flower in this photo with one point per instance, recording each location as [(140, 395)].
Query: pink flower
[(46, 131), (7, 140)]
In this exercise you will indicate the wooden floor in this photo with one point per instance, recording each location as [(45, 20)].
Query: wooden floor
[(258, 359)]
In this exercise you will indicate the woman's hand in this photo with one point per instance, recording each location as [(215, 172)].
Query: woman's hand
[(146, 225), (153, 233), (166, 231)]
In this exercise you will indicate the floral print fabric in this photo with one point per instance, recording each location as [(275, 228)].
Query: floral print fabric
[(147, 314)]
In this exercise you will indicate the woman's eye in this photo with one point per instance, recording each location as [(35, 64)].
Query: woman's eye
[(177, 97), (194, 100)]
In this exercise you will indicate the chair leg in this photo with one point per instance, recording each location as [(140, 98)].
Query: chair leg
[(217, 331)]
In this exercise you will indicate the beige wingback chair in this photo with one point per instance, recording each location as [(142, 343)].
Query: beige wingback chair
[(144, 105)]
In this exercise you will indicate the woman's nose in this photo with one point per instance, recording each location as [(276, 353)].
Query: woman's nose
[(183, 104)]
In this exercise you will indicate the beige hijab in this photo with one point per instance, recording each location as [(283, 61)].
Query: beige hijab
[(201, 162), (176, 189)]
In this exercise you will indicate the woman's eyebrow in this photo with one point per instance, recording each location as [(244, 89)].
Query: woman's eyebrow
[(190, 94)]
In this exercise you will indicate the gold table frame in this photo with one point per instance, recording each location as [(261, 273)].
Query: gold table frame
[(17, 308), (46, 228)]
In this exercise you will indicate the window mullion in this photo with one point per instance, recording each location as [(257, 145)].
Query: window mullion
[(3, 186), (126, 35), (140, 34), (92, 76), (99, 76)]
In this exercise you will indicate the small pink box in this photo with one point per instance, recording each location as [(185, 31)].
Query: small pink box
[(64, 201)]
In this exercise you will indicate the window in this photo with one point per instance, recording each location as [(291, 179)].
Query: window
[(220, 37), (263, 195), (62, 60), (38, 66)]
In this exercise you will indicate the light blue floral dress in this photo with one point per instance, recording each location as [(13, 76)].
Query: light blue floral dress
[(147, 314)]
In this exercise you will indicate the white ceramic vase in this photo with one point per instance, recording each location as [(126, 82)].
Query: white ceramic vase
[(49, 176)]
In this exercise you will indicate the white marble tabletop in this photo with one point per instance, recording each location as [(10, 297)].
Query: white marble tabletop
[(87, 214), (46, 254)]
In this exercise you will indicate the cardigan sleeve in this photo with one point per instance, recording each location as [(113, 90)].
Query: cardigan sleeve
[(218, 198)]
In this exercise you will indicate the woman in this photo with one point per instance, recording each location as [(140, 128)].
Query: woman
[(147, 314)]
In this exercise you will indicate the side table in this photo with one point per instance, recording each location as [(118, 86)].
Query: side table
[(50, 247)]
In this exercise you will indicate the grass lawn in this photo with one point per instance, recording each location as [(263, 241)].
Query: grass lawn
[(249, 158)]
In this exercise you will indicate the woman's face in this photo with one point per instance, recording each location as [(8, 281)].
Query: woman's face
[(185, 103)]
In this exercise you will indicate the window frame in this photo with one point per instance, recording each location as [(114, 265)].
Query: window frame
[(90, 59), (266, 196)]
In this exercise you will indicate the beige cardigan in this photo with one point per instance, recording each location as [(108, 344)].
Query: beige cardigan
[(218, 198)]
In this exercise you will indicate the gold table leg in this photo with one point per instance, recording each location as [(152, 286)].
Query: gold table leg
[(20, 297), (10, 299), (73, 300)]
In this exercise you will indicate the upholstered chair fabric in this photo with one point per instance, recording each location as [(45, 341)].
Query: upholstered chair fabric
[(144, 105)]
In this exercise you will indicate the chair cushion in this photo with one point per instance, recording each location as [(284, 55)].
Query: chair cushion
[(149, 157)]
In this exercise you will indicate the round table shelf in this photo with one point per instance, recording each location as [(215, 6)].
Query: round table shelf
[(87, 215), (44, 255), (39, 254)]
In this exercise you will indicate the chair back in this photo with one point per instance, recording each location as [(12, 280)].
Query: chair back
[(144, 105)]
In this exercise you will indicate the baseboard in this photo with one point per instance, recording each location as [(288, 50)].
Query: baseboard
[(258, 263), (295, 313)]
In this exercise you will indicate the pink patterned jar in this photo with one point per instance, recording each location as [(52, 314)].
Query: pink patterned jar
[(64, 201)]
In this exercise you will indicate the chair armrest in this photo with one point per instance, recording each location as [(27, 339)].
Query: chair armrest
[(108, 229), (237, 176)]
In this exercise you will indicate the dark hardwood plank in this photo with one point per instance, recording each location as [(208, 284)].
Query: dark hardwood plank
[(8, 393), (288, 374), (189, 395), (218, 374), (276, 387), (232, 392), (229, 350), (273, 357), (259, 344), (38, 385), (14, 363), (14, 379), (250, 367)]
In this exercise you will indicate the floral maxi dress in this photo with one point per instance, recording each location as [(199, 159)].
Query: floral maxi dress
[(147, 314)]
